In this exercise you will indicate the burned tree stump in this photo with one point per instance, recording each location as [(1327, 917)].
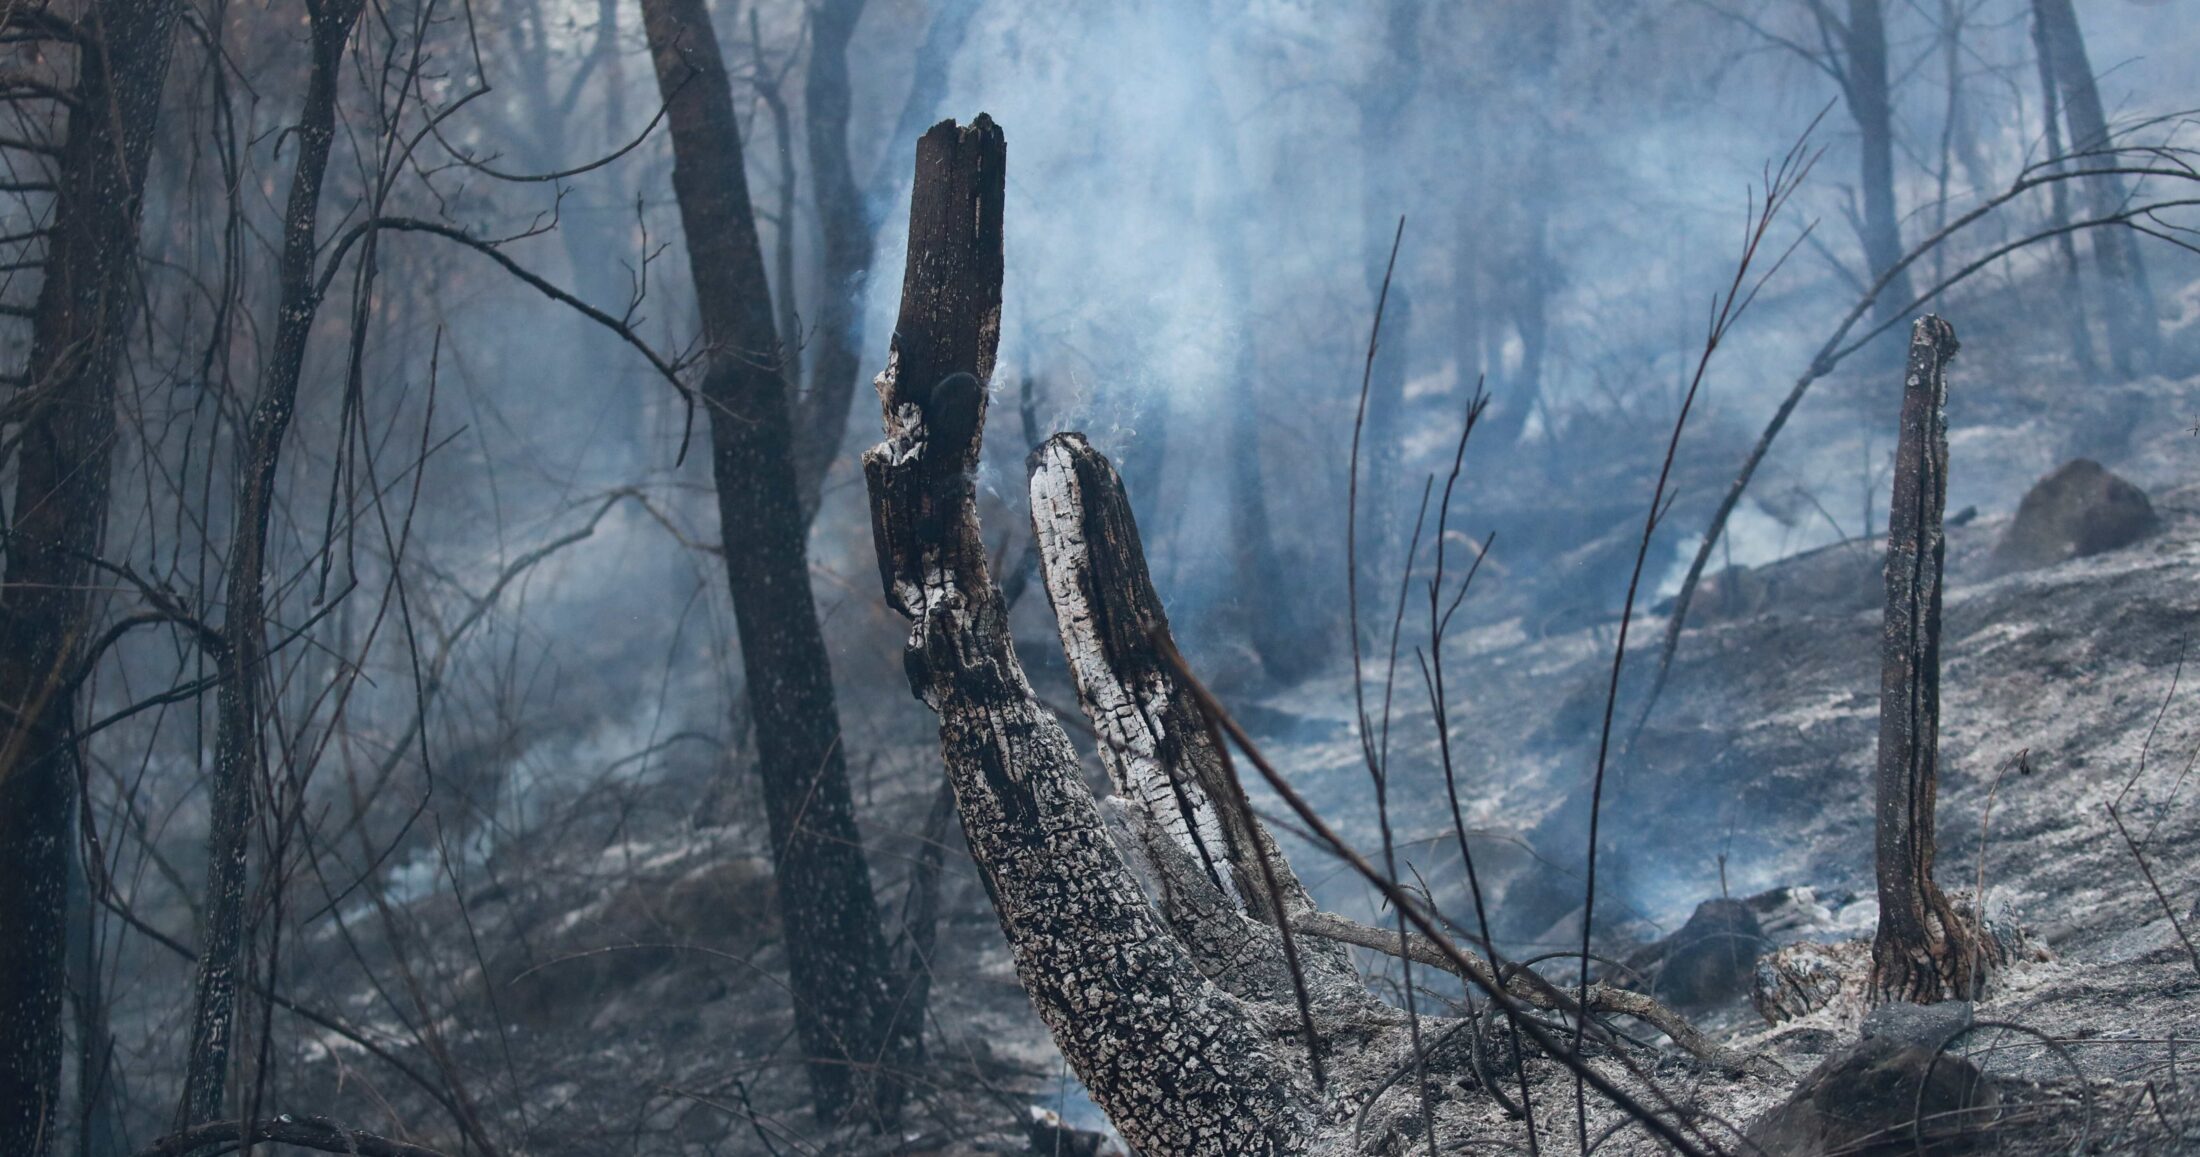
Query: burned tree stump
[(1924, 950), (1231, 1019), (1180, 1065)]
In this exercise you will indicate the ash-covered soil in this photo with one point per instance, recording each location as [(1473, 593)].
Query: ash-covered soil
[(2065, 690), (614, 985)]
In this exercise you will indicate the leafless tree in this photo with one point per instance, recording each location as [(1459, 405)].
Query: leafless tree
[(2127, 299), (64, 405), (854, 1026), (240, 760)]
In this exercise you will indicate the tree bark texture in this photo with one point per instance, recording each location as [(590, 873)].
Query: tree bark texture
[(1924, 951), (60, 504), (1178, 1064), (100, 1093), (1191, 1026), (2134, 330), (240, 756), (1154, 740), (852, 1027), (1865, 89)]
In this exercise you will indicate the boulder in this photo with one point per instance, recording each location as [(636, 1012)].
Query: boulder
[(2081, 509), (1893, 1091)]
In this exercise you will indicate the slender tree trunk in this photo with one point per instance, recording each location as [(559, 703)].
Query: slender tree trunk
[(240, 756), (1517, 290), (1924, 951), (845, 230), (1865, 86), (1529, 289), (1383, 98), (2134, 329), (2058, 203), (1275, 614), (783, 237), (63, 460), (852, 1028)]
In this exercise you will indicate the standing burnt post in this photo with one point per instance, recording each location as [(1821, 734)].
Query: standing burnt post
[(1924, 950)]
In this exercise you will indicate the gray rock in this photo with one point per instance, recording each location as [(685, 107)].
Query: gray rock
[(1883, 1095), (2081, 509)]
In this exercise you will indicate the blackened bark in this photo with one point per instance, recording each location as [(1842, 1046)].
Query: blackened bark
[(853, 1030), (1864, 87), (1924, 951), (845, 231), (2134, 329), (62, 465), (240, 755), (1179, 1066)]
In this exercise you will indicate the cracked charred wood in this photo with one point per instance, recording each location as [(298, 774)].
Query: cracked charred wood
[(1924, 950), (855, 1029), (1178, 1064), (64, 451), (1187, 1025), (1154, 740)]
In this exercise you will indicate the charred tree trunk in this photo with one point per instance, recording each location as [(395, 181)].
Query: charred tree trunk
[(853, 1030), (1506, 257), (1865, 89), (1924, 951), (2134, 329), (1198, 1028), (63, 460), (1154, 739), (240, 755), (1178, 1065), (845, 229)]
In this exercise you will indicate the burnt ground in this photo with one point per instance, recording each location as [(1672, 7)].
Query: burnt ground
[(610, 984), (2065, 690)]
